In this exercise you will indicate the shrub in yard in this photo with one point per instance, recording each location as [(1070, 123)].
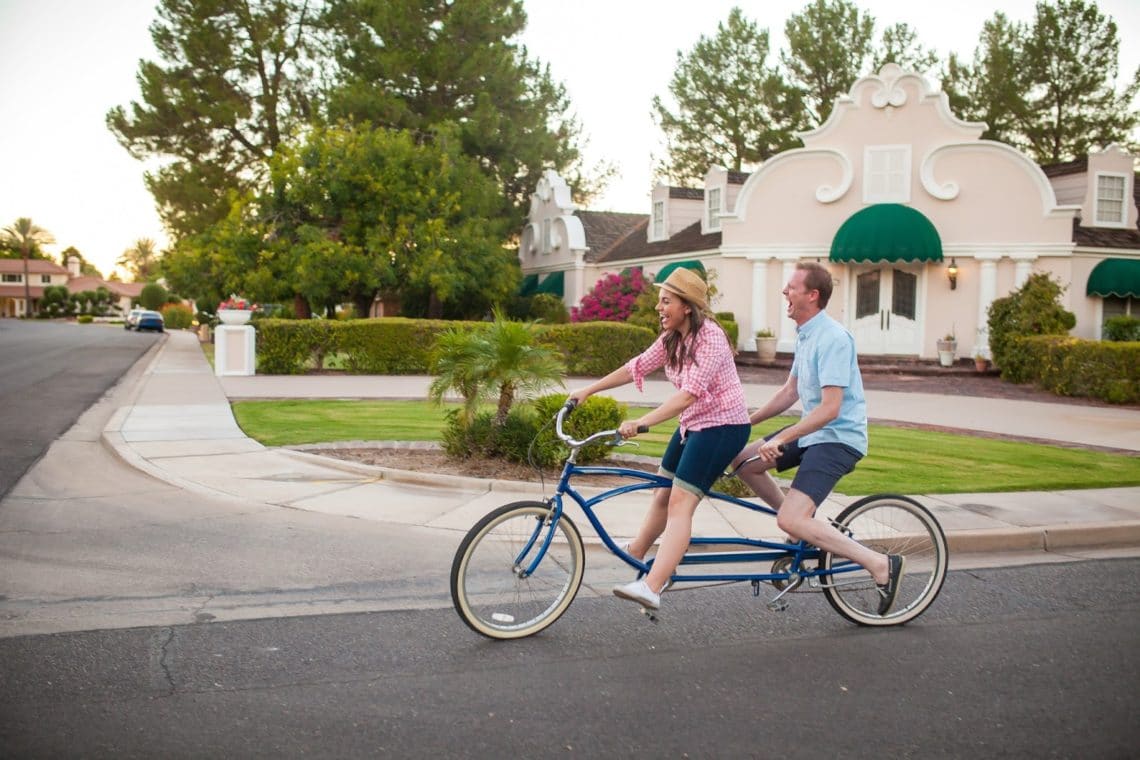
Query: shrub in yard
[(177, 316), (1033, 309), (152, 296), (548, 309), (594, 414), (612, 298), (1122, 329)]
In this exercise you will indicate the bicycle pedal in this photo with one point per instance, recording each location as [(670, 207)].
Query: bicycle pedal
[(777, 605), (651, 614)]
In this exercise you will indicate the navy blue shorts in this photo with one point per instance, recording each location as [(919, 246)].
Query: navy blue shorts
[(696, 462), (821, 465)]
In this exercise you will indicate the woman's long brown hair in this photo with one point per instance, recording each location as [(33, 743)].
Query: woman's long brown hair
[(678, 349)]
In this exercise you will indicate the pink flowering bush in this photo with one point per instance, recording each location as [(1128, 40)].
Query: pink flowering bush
[(612, 298)]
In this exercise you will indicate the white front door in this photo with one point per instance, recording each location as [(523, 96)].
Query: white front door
[(886, 308)]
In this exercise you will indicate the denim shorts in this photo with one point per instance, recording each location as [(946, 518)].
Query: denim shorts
[(821, 465), (696, 461)]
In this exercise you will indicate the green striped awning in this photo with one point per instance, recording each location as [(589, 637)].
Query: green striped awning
[(667, 270), (554, 283), (886, 232), (1115, 277), (529, 283)]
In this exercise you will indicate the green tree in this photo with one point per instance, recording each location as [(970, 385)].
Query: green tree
[(370, 212), (500, 362), (829, 43), (1071, 60), (152, 296), (141, 261), (899, 44), (86, 268), (992, 88), (235, 79), (417, 64), (26, 237), (732, 108)]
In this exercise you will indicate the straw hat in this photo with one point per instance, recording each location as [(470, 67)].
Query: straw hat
[(688, 285)]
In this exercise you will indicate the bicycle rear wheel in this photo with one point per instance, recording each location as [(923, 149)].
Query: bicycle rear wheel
[(490, 586), (896, 525)]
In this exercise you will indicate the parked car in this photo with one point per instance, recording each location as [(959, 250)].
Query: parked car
[(132, 320), (150, 320)]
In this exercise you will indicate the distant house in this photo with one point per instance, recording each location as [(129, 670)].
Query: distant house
[(922, 224), (43, 273)]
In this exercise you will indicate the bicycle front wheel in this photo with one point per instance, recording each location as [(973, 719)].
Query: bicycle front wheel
[(493, 587), (888, 524)]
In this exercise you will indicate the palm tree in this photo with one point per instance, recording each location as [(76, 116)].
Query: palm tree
[(501, 360), (27, 236), (140, 260)]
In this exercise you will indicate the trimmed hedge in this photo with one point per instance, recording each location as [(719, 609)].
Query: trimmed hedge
[(1074, 367), (400, 346), (594, 349)]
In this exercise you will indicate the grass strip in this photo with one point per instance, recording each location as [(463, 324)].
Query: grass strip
[(901, 460)]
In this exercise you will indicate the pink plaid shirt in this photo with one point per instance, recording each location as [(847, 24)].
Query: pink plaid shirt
[(712, 379)]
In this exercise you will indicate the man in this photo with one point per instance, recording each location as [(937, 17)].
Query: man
[(830, 437)]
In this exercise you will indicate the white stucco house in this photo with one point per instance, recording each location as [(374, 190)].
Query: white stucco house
[(43, 273), (922, 224)]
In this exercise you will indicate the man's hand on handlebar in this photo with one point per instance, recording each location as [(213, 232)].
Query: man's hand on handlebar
[(770, 451)]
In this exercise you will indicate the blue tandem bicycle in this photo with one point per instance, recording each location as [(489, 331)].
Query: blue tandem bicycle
[(519, 568)]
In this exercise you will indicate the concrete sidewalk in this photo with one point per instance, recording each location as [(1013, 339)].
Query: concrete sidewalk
[(180, 429)]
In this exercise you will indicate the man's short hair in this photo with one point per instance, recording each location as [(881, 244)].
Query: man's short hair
[(817, 278)]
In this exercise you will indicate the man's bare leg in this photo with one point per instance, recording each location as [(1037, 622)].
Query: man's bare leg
[(796, 518)]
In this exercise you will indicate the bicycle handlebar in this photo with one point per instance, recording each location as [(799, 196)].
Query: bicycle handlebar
[(615, 436)]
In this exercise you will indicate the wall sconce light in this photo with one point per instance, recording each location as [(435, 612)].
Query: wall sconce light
[(952, 273)]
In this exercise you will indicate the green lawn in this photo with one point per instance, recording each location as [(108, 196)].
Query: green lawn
[(901, 459)]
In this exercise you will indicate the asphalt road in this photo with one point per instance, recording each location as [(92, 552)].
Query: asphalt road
[(315, 635), (1034, 661), (50, 374)]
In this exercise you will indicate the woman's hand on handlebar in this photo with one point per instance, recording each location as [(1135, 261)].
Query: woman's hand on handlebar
[(577, 396), (630, 428)]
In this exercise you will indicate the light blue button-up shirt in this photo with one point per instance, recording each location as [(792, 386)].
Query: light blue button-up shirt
[(825, 355)]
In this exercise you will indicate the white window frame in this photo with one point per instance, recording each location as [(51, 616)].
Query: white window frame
[(712, 213), (45, 279), (1122, 219), (16, 279), (657, 231), (901, 193)]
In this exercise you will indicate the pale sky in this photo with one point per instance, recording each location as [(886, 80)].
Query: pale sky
[(64, 63)]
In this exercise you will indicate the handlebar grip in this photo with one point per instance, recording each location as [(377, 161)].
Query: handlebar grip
[(570, 405), (643, 428)]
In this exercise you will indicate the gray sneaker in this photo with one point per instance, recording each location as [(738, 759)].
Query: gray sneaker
[(890, 590)]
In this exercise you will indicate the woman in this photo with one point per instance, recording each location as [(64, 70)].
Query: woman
[(698, 360)]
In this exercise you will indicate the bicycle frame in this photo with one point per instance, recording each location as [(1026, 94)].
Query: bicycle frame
[(757, 550)]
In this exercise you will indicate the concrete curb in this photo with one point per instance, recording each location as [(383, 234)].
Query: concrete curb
[(1046, 538)]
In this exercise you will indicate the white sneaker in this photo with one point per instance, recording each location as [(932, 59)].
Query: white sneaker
[(639, 591)]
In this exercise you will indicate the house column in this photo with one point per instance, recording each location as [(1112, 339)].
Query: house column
[(1023, 267), (577, 288), (787, 331), (759, 302), (987, 292)]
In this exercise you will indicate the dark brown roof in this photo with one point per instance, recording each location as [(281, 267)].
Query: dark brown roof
[(604, 228), (1066, 167), (738, 178), (1105, 237), (635, 246), (687, 193)]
